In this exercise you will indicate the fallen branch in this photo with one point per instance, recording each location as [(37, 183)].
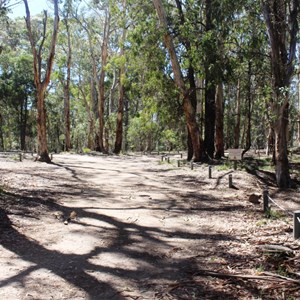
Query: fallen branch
[(267, 277)]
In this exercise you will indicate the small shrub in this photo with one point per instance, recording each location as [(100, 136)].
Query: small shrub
[(261, 223), (226, 166), (275, 214), (86, 150)]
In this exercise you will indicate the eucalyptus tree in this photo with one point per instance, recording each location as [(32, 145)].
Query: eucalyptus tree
[(189, 109), (106, 19), (86, 60), (67, 11), (42, 71), (122, 70), (281, 18)]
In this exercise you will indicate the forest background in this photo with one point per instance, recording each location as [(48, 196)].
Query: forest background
[(130, 75)]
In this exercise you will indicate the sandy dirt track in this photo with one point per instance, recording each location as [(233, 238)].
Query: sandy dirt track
[(143, 230)]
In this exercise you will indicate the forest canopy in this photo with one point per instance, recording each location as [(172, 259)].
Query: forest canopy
[(130, 75)]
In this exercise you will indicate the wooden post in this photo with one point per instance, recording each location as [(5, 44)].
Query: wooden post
[(230, 181), (51, 156), (234, 164), (168, 159), (180, 155), (296, 230), (20, 156), (266, 200), (192, 165), (209, 172), (162, 158), (178, 163)]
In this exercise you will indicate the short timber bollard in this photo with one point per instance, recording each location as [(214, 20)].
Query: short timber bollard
[(168, 159), (20, 156), (162, 158), (296, 230), (266, 200), (192, 165), (230, 181), (178, 163), (209, 172), (235, 165)]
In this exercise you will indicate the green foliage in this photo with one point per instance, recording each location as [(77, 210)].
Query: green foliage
[(233, 49), (226, 165), (142, 133), (86, 150), (170, 140), (275, 214)]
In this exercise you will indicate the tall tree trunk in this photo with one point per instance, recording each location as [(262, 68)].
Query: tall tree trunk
[(42, 83), (281, 151), (237, 127), (191, 79), (119, 127), (210, 117), (219, 122), (189, 111), (281, 17), (120, 114), (67, 91), (249, 113), (101, 82), (270, 142), (193, 99), (41, 126), (210, 88)]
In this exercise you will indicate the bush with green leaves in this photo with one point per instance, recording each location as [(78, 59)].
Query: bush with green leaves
[(142, 133)]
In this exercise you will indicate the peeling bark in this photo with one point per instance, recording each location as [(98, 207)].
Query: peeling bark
[(42, 83), (189, 111)]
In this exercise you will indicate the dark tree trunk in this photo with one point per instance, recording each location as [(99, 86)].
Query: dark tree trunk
[(190, 151), (219, 122), (210, 89), (210, 117), (24, 119), (67, 92), (119, 128), (281, 17), (120, 114), (193, 99), (41, 126), (249, 114), (237, 127)]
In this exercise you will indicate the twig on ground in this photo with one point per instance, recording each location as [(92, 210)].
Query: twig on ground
[(267, 277)]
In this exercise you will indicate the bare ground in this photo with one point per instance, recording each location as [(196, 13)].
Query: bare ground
[(143, 230)]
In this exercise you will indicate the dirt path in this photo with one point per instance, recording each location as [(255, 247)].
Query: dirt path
[(143, 230)]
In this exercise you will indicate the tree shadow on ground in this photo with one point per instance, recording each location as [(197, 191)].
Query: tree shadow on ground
[(265, 177), (158, 264), (152, 267), (76, 269)]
